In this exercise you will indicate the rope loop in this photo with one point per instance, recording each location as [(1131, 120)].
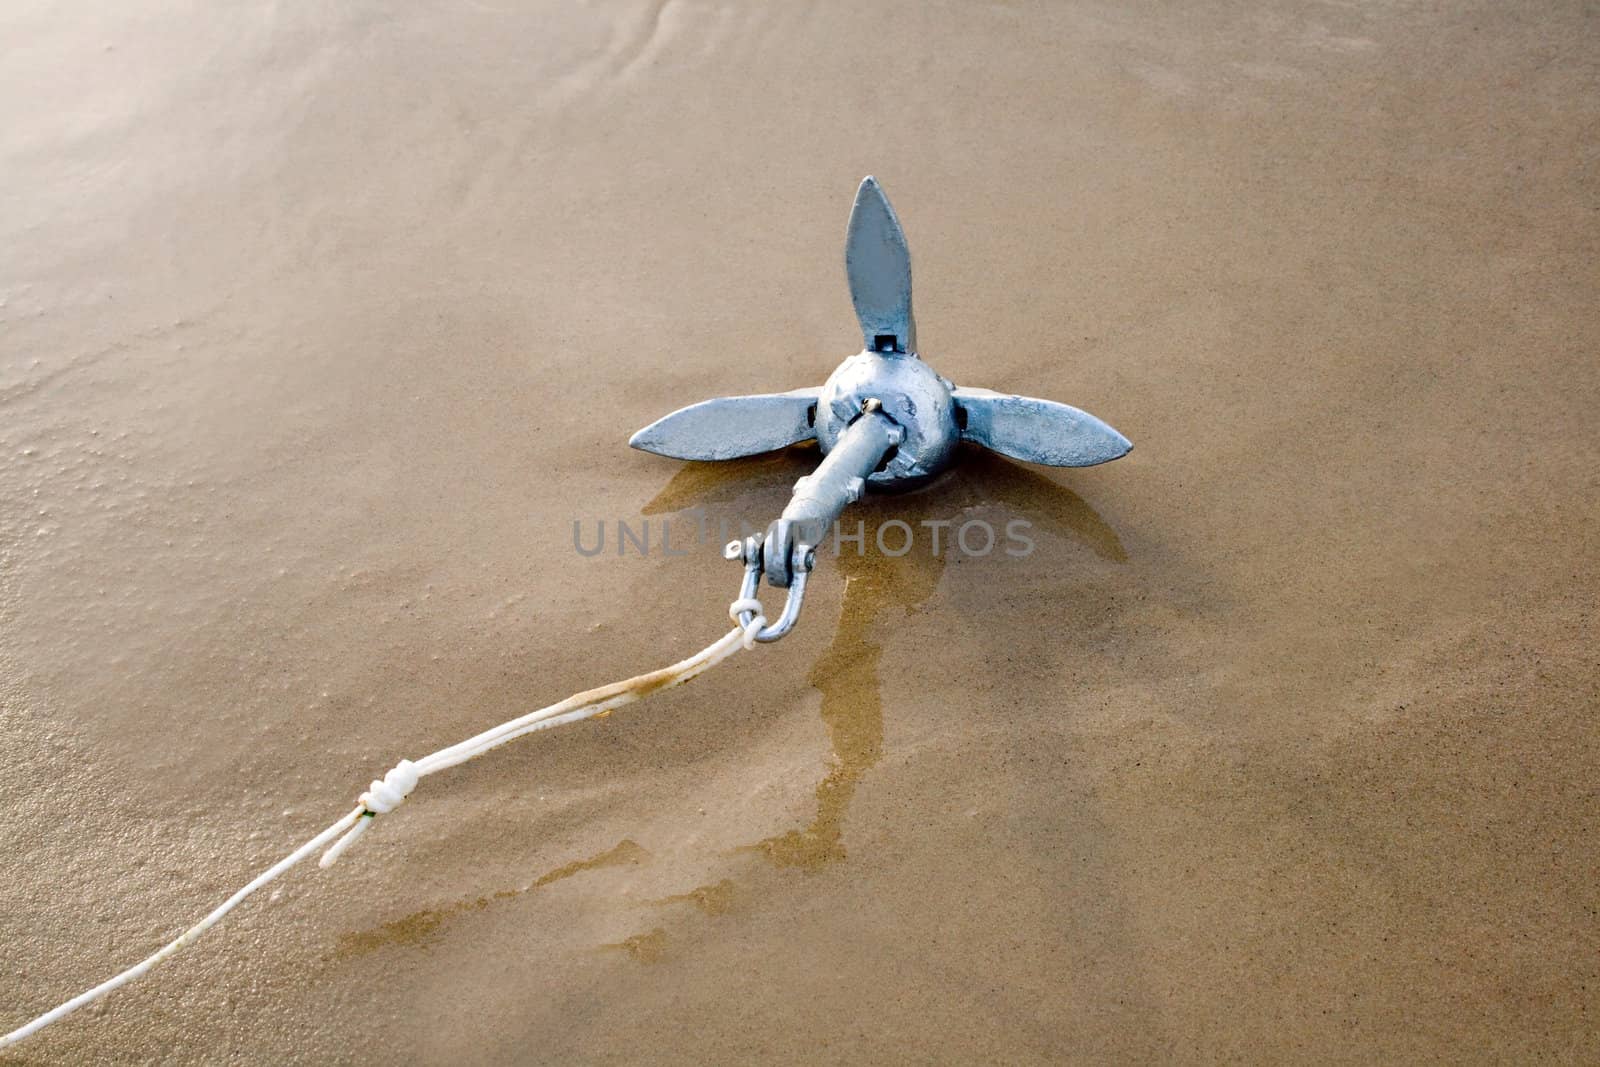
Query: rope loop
[(755, 625)]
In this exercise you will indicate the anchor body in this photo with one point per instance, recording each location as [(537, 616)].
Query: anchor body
[(883, 419), (912, 394)]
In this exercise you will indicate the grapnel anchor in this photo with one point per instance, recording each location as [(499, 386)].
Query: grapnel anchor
[(884, 420)]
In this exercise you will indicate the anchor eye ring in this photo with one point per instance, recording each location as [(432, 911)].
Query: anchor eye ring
[(749, 551)]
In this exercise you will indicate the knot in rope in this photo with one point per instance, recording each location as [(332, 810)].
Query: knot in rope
[(384, 795), (755, 625), (381, 797)]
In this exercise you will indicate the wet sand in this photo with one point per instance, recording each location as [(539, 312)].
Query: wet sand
[(318, 330)]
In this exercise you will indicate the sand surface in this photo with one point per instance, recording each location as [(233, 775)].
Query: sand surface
[(321, 324)]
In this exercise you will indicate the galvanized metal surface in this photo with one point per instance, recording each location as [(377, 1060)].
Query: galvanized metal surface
[(749, 553), (732, 426), (912, 394), (878, 264), (884, 417), (820, 496), (1038, 431)]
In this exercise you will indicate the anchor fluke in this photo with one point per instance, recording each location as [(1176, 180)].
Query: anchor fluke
[(732, 426), (878, 264), (1037, 431)]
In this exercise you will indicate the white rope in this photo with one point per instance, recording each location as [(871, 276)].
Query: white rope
[(385, 794), (755, 625)]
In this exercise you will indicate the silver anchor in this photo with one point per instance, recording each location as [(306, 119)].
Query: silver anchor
[(884, 419)]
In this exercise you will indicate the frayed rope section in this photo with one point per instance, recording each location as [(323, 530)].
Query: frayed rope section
[(385, 795)]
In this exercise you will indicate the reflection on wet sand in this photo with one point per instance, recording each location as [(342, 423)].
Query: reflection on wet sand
[(852, 708), (847, 673), (416, 927), (699, 485), (978, 478)]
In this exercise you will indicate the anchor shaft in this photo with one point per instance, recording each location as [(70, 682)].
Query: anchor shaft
[(820, 496)]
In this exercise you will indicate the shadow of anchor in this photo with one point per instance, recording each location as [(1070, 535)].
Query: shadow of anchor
[(847, 673)]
